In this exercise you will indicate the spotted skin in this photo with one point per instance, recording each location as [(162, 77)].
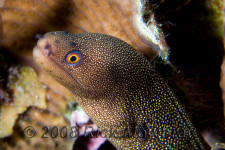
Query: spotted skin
[(120, 91)]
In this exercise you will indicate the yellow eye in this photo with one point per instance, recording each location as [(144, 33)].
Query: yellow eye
[(73, 58)]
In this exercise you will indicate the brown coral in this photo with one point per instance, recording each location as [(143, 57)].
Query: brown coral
[(23, 19), (189, 26), (31, 133)]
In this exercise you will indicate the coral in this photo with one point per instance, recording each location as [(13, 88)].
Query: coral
[(28, 91), (22, 19), (194, 36), (37, 138), (111, 17)]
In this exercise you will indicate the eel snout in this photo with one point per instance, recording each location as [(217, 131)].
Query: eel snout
[(45, 45), (44, 50)]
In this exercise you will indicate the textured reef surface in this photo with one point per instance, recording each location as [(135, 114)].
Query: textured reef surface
[(188, 36)]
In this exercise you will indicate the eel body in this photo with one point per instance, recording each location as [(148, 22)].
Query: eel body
[(119, 90)]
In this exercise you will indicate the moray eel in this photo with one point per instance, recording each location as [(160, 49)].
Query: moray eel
[(119, 90)]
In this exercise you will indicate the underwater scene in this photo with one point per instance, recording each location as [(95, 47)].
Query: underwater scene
[(112, 75)]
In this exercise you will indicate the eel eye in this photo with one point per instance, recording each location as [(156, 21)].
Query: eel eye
[(73, 58)]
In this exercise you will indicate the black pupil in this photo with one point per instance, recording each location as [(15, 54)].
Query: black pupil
[(73, 58)]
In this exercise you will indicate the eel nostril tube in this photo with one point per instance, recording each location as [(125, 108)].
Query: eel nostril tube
[(48, 47), (38, 36), (45, 46)]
